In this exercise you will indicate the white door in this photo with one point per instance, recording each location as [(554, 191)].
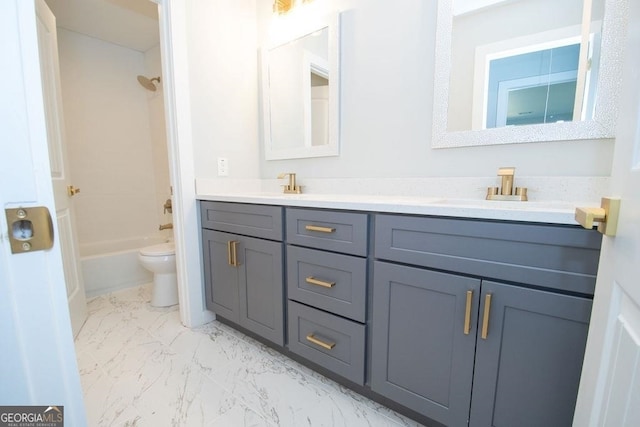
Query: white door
[(610, 386), (37, 357), (48, 43)]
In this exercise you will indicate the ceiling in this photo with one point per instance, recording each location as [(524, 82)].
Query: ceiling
[(129, 23)]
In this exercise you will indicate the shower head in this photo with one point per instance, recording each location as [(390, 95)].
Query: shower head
[(148, 83)]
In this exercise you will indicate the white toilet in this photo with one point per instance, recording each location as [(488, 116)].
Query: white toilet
[(161, 261)]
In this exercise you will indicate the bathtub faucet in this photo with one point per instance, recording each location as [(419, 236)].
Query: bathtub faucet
[(168, 226)]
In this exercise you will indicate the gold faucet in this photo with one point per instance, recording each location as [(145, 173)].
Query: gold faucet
[(506, 190), (168, 226), (291, 188)]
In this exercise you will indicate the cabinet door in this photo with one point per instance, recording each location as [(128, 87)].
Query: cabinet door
[(221, 278), (422, 354), (528, 366), (261, 287)]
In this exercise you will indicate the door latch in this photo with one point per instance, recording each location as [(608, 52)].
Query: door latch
[(30, 229)]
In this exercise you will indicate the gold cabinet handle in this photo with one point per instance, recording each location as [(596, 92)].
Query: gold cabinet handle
[(319, 228), (485, 316), (467, 313), (232, 253), (72, 191), (606, 216), (323, 344), (313, 281)]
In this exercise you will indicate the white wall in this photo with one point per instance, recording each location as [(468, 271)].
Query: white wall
[(223, 75), (110, 149), (387, 89)]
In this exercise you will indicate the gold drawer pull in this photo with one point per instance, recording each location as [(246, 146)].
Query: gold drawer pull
[(485, 316), (467, 313), (313, 281), (316, 341), (320, 229), (232, 253)]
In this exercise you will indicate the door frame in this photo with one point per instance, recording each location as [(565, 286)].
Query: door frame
[(172, 16)]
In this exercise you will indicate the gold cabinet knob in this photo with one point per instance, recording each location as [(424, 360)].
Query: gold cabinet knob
[(72, 191)]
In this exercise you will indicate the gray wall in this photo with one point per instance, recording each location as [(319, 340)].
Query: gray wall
[(387, 88)]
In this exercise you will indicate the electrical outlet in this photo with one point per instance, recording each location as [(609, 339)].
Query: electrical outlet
[(223, 166)]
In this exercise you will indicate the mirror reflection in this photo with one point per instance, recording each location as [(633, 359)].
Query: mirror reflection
[(510, 71), (293, 70), (319, 96), (523, 62), (300, 92)]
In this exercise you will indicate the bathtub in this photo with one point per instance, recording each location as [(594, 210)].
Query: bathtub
[(113, 265)]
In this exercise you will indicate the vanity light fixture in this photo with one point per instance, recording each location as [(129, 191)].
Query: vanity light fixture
[(282, 6)]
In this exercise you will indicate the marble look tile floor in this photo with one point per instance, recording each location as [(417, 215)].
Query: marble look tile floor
[(140, 367)]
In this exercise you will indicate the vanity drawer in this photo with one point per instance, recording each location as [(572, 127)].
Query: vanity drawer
[(545, 255), (261, 221), (334, 231), (330, 341), (326, 280)]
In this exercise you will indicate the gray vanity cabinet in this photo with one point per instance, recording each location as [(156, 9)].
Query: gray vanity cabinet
[(244, 275), (424, 329), (429, 346), (464, 322), (519, 336), (528, 363), (327, 289)]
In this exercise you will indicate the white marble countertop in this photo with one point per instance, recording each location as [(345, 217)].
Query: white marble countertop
[(554, 212)]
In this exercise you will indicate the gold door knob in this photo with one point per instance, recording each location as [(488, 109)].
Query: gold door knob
[(72, 191), (587, 216), (606, 216)]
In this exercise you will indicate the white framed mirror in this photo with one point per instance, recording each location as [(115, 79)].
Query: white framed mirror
[(301, 91), (485, 95)]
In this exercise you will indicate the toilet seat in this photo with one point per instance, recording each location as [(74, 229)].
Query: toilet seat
[(161, 249)]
